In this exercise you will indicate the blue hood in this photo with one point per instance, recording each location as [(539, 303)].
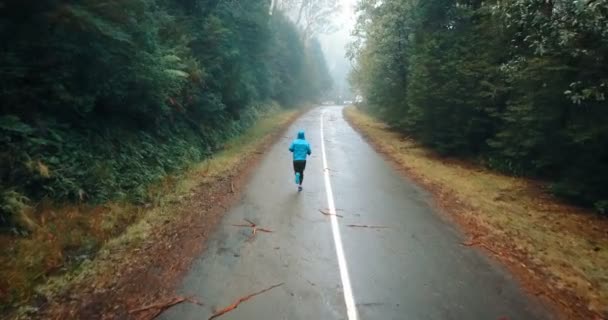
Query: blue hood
[(300, 147)]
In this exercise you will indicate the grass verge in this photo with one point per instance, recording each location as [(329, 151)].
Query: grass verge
[(84, 246), (559, 252)]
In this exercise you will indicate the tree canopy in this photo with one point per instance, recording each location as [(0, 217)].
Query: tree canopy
[(520, 85), (101, 98)]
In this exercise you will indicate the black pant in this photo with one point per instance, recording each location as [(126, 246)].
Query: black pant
[(299, 166)]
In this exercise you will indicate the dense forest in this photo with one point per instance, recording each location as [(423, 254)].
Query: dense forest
[(520, 85), (100, 99)]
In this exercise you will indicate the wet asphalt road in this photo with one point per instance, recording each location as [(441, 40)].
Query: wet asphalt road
[(414, 269)]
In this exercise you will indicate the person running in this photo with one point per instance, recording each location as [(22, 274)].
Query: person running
[(300, 149)]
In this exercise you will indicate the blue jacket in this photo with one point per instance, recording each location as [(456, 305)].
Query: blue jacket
[(300, 147)]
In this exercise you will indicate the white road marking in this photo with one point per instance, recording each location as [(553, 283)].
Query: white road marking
[(351, 308)]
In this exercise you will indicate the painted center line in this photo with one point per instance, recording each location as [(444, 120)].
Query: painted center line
[(351, 308)]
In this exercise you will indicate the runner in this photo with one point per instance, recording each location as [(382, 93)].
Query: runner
[(300, 149)]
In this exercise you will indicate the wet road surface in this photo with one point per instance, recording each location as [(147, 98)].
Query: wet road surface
[(413, 269)]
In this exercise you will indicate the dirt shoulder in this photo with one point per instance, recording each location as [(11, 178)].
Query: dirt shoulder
[(558, 252), (144, 264)]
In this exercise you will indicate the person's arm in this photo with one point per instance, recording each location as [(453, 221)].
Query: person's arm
[(308, 147), (291, 147)]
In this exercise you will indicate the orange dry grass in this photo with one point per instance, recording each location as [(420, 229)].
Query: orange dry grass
[(59, 232), (562, 247)]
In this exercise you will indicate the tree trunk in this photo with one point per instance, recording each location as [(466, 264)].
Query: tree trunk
[(302, 6)]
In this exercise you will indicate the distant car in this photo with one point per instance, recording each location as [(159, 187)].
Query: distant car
[(348, 102)]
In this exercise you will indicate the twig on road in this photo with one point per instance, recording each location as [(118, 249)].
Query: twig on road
[(366, 226), (370, 304), (159, 307), (254, 228), (330, 214), (241, 300)]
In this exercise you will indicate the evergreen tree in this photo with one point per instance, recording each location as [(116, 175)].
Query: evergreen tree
[(520, 84), (100, 99)]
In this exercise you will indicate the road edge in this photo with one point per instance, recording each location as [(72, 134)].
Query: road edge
[(154, 268), (516, 263)]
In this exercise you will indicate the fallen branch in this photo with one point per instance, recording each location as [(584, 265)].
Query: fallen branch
[(254, 232), (249, 225), (241, 300), (254, 228), (370, 304), (330, 214), (366, 226), (159, 307)]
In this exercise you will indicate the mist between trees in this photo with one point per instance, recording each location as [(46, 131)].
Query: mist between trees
[(519, 85), (100, 99)]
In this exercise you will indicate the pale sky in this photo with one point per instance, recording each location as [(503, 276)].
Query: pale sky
[(334, 45)]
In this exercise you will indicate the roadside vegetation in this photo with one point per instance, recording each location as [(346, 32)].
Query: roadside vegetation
[(85, 244), (519, 86), (106, 106), (558, 251)]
